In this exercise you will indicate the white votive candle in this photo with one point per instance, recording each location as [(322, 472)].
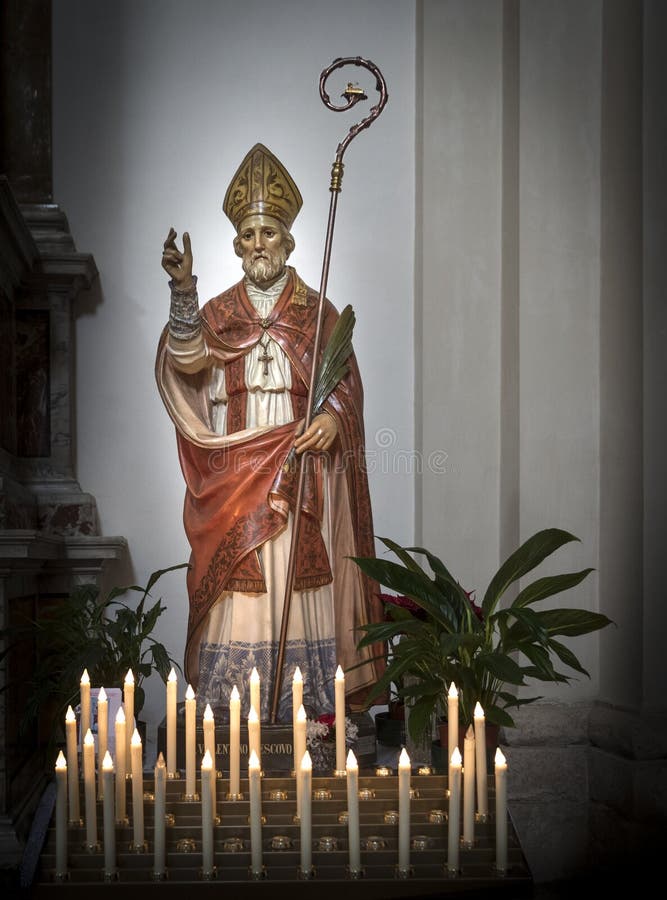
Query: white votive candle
[(172, 698), (109, 818), (84, 691), (235, 742), (89, 788), (297, 702), (254, 736), (206, 815), (501, 810), (452, 719), (255, 696), (128, 706), (190, 743), (404, 769), (72, 766), (480, 762), (160, 811), (299, 750), (209, 745), (454, 817), (353, 836), (469, 787), (121, 766), (255, 791), (102, 736), (305, 825), (340, 719), (137, 789), (61, 815)]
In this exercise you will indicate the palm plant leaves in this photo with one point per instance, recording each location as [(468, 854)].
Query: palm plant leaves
[(529, 555), (333, 364), (457, 642)]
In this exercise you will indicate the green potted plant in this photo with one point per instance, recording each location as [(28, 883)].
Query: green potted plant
[(442, 636), (107, 636)]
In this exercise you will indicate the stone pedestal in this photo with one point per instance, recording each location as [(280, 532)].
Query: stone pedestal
[(277, 745)]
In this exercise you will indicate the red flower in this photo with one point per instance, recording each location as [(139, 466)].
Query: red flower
[(405, 603), (327, 719), (475, 608)]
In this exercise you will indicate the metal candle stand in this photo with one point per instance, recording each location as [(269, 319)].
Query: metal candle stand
[(428, 871)]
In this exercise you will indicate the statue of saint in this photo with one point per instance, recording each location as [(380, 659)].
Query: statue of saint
[(234, 378)]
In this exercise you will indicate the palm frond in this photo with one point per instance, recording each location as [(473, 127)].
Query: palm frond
[(333, 365)]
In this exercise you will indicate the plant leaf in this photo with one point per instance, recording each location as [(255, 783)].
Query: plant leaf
[(333, 366), (572, 622), (416, 585), (547, 587), (501, 667), (530, 554), (567, 656)]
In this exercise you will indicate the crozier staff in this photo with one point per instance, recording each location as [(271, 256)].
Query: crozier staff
[(234, 378)]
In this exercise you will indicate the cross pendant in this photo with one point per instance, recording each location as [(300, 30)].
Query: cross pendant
[(265, 357)]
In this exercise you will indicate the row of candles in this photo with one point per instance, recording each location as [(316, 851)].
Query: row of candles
[(111, 787)]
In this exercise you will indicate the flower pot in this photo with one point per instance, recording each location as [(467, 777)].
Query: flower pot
[(439, 757), (389, 731)]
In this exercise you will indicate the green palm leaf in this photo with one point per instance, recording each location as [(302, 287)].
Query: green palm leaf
[(333, 365)]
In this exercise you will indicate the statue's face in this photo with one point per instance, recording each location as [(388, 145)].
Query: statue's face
[(263, 245)]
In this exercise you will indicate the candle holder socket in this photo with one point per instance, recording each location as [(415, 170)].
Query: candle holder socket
[(149, 797), (160, 876), (257, 874), (437, 816), (305, 874), (466, 845), (414, 793), (322, 794), (403, 874), (374, 843), (343, 817), (340, 773), (75, 823), (420, 842), (169, 820), (208, 875), (216, 820), (497, 870), (452, 871), (383, 771), (262, 819), (122, 823), (354, 874), (391, 817), (366, 794), (233, 844), (234, 797), (172, 776), (186, 845), (482, 818), (278, 794), (327, 843), (110, 875), (191, 798), (281, 842), (95, 847), (425, 770), (61, 877), (141, 847)]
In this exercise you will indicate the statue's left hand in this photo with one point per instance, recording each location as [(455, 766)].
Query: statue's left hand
[(320, 434)]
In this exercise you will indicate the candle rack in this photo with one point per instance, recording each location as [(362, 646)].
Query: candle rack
[(428, 873)]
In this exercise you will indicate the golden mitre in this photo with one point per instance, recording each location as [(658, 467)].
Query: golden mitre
[(262, 185)]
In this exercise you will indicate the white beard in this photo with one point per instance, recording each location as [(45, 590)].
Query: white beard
[(265, 270)]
